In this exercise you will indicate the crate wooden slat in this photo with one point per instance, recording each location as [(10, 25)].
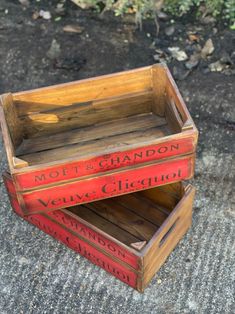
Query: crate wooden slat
[(130, 236), (101, 186), (92, 126)]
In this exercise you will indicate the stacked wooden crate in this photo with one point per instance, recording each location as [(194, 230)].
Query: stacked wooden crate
[(99, 164)]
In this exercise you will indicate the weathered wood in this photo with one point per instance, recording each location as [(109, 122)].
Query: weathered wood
[(173, 118), (77, 126), (144, 207), (174, 229), (163, 196), (159, 79), (106, 162), (19, 163), (13, 123), (135, 262), (93, 133), (108, 185), (86, 213), (173, 95), (138, 245), (114, 212), (94, 255), (112, 85), (80, 115), (9, 147), (99, 147)]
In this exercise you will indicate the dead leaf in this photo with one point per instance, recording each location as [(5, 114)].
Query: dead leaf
[(217, 66), (35, 15), (193, 37), (73, 29), (208, 48)]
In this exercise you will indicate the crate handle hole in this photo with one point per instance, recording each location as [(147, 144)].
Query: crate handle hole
[(164, 238)]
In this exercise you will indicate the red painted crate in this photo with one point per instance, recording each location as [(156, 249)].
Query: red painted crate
[(59, 134), (102, 186), (129, 236)]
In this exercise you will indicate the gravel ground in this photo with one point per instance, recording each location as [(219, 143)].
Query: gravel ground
[(40, 275)]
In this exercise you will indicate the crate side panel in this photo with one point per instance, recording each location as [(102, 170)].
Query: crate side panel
[(84, 90), (86, 191), (95, 237), (172, 231), (107, 162), (83, 248)]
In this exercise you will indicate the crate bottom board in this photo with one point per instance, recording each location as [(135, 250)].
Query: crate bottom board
[(129, 218), (117, 134)]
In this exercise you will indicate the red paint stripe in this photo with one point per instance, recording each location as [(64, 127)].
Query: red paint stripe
[(96, 257), (88, 190), (104, 163), (94, 237)]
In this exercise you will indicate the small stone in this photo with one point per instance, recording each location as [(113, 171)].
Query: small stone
[(180, 74), (23, 260), (225, 59), (160, 56), (83, 4), (159, 281), (46, 15), (169, 31), (189, 48), (233, 56), (35, 15), (59, 5), (25, 3), (178, 54), (54, 50), (217, 66), (73, 29), (60, 9), (162, 16), (70, 64), (208, 20), (193, 61), (208, 48)]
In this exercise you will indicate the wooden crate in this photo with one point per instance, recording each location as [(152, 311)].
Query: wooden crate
[(65, 132), (129, 236), (102, 186)]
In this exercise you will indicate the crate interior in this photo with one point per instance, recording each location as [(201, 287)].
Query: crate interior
[(132, 218), (93, 117), (86, 129)]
